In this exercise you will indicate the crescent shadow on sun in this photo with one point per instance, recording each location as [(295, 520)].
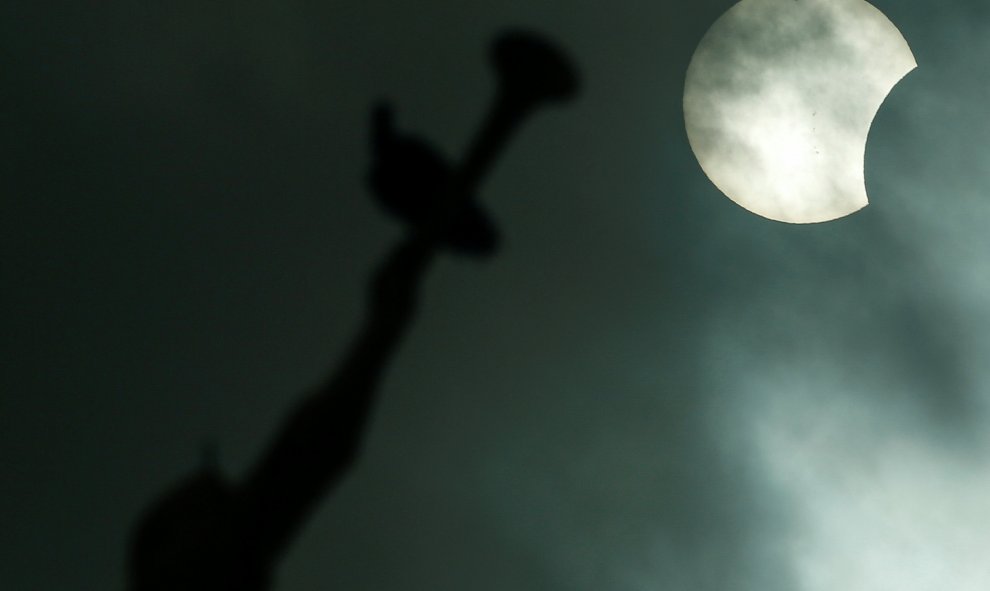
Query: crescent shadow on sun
[(779, 100)]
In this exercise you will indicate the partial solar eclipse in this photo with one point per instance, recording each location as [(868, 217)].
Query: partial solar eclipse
[(779, 99)]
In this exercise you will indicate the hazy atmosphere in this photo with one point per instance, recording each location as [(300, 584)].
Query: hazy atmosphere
[(648, 388)]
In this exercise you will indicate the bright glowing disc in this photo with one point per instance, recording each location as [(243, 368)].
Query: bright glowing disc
[(779, 99)]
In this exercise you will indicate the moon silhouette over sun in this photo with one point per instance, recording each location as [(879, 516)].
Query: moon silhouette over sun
[(779, 99)]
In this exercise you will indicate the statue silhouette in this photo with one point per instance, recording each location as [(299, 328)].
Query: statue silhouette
[(211, 533)]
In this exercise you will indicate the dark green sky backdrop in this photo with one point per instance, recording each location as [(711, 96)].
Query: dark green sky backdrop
[(649, 389)]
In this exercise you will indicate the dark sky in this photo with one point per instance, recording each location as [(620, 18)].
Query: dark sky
[(649, 388)]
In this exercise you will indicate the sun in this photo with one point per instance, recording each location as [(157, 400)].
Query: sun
[(779, 99)]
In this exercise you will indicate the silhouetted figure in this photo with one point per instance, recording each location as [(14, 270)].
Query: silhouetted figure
[(210, 534)]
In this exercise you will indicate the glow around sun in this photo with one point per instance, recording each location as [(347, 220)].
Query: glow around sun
[(779, 99)]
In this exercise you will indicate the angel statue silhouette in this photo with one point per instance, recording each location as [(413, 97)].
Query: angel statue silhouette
[(214, 533)]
